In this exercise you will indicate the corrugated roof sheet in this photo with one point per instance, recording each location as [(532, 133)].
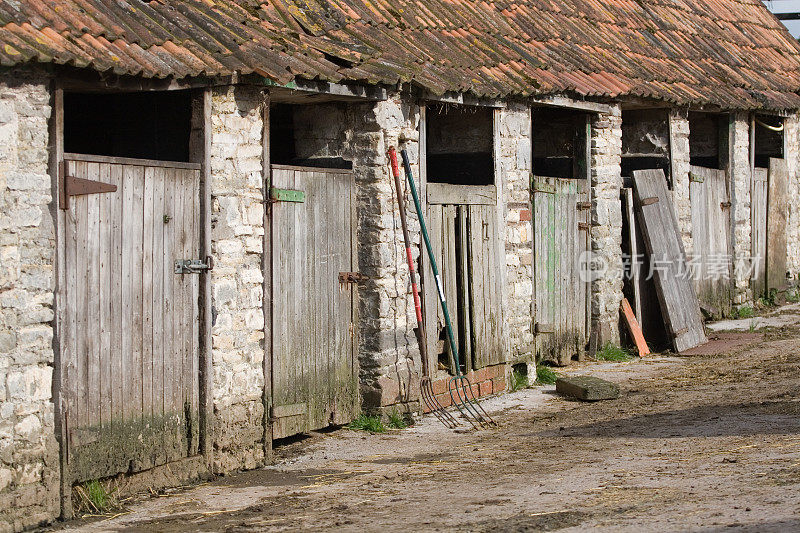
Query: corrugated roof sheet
[(731, 53)]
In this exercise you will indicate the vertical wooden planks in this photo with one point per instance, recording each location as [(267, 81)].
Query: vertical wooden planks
[(758, 219), (677, 298), (118, 259), (777, 220), (147, 295), (106, 313)]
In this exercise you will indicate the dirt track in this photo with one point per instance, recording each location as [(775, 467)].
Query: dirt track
[(699, 443)]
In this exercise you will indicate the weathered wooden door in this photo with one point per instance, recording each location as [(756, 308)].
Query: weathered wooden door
[(712, 268), (129, 324), (758, 219), (560, 240), (465, 240), (314, 370), (777, 221)]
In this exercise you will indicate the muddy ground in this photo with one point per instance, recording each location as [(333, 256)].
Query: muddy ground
[(707, 442)]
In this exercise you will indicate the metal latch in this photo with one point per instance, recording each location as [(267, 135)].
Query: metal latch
[(352, 277), (193, 266)]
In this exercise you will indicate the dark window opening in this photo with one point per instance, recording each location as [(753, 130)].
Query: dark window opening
[(459, 144), (645, 141), (707, 139), (769, 143), (146, 125), (559, 143), (308, 135)]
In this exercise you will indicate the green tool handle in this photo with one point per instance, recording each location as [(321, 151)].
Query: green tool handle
[(432, 257)]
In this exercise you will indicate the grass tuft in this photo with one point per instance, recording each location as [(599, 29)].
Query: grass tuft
[(398, 420), (95, 497), (612, 352), (519, 380), (793, 296), (545, 375), (373, 424), (744, 312)]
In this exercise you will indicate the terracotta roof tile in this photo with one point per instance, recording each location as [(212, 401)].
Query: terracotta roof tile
[(732, 53)]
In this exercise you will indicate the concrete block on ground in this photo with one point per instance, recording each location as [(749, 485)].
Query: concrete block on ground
[(587, 388)]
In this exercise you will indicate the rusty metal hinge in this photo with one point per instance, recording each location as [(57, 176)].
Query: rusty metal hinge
[(583, 226), (650, 200), (72, 186), (724, 205), (351, 277), (582, 206)]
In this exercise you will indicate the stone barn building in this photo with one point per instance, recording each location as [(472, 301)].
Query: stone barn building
[(200, 247)]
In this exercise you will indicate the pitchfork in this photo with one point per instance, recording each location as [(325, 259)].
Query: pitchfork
[(425, 385), (459, 386)]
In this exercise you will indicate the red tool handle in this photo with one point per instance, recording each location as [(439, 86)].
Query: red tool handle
[(412, 271)]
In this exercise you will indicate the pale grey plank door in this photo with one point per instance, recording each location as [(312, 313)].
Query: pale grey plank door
[(712, 262), (314, 371), (129, 346), (758, 219), (560, 239), (777, 220), (677, 298)]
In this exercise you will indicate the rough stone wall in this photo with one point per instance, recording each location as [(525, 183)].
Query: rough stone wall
[(515, 169), (679, 148), (792, 143), (606, 228), (390, 365), (237, 231), (29, 471), (740, 176)]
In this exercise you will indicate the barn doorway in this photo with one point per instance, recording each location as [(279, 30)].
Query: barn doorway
[(458, 143), (710, 199), (130, 273), (560, 197), (313, 264), (769, 197)]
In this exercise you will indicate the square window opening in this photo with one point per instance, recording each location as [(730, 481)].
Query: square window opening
[(708, 139), (559, 143), (144, 125), (309, 135), (645, 141), (460, 144), (768, 139)]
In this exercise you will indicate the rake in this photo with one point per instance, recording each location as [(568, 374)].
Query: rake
[(459, 386), (425, 385)]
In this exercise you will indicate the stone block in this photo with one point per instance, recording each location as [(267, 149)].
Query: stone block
[(587, 388)]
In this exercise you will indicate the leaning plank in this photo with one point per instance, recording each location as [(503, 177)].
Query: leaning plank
[(633, 328), (777, 210), (676, 295)]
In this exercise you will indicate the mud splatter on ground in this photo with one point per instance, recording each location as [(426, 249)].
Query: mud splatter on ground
[(707, 442)]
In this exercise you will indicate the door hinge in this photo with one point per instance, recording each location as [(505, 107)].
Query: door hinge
[(582, 206), (724, 205), (351, 277), (72, 186), (286, 195), (583, 226), (194, 266), (650, 200), (696, 178)]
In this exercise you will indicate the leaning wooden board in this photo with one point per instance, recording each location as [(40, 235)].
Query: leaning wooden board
[(676, 295), (777, 210)]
